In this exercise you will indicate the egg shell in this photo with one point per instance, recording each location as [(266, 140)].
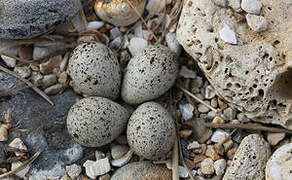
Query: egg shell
[(150, 74), (96, 121), (151, 131), (95, 70)]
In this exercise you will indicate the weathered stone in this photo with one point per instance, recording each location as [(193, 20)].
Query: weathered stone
[(220, 166), (251, 6), (23, 72), (73, 170), (256, 23), (27, 19), (275, 138), (207, 166)]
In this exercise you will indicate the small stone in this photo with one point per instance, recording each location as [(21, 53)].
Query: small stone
[(155, 6), (73, 170), (217, 120), (36, 78), (34, 67), (203, 109), (275, 138), (49, 80), (221, 3), (123, 160), (23, 72), (219, 135), (214, 103), (194, 145), (115, 32), (94, 25), (228, 145), (257, 23), (220, 166), (235, 5), (104, 177), (230, 113), (222, 104), (65, 177), (97, 168), (172, 43), (199, 158), (51, 66), (117, 151), (209, 92), (251, 6), (207, 166), (43, 50), (231, 153), (10, 62), (185, 133), (182, 171), (63, 77), (21, 173), (228, 35), (137, 45), (53, 89), (186, 111), (99, 155), (18, 144), (211, 152), (211, 114), (116, 43), (187, 73), (242, 117)]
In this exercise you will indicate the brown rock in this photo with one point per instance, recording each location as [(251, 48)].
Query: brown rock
[(211, 152), (199, 158), (275, 138)]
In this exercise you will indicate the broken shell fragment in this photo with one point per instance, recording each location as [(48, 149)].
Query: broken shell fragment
[(119, 12)]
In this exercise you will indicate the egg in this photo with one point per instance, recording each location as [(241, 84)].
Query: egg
[(151, 131), (150, 74), (95, 70), (119, 12), (96, 121)]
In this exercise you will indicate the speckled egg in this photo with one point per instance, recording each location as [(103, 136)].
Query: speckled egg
[(151, 131), (96, 121), (95, 70), (149, 74)]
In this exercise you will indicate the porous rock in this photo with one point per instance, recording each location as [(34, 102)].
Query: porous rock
[(253, 76), (250, 159), (27, 19), (96, 121)]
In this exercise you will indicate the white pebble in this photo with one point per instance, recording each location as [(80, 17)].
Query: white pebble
[(136, 45), (194, 145), (251, 6), (73, 170), (94, 25), (220, 166), (123, 160), (18, 143), (228, 35), (10, 62), (203, 109), (209, 92), (207, 166), (97, 168), (118, 151), (187, 73), (257, 23), (218, 136), (187, 111)]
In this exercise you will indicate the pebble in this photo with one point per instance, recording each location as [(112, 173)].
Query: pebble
[(228, 35), (235, 5), (217, 120), (242, 117), (187, 73), (279, 166), (203, 109), (219, 135), (49, 80), (93, 25), (99, 155), (115, 32), (275, 138), (186, 111), (214, 103), (63, 77), (257, 23), (207, 166), (155, 7), (51, 66), (172, 43), (251, 6), (137, 45), (21, 173), (97, 168), (199, 158), (23, 72), (65, 177), (220, 166), (209, 92), (252, 154), (123, 160), (212, 153), (182, 171), (73, 171), (116, 43), (228, 145), (43, 50), (194, 145), (10, 62), (36, 78), (117, 151), (55, 89), (104, 177), (229, 113), (18, 143), (211, 114)]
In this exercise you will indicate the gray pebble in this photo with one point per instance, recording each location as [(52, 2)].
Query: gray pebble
[(251, 6), (117, 151)]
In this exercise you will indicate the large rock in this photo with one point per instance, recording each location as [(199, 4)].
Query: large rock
[(254, 74), (26, 19), (46, 128), (250, 159)]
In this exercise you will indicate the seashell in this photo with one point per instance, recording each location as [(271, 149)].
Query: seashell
[(119, 12)]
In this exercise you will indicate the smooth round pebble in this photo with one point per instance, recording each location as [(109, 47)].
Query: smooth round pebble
[(95, 70), (23, 19), (279, 166), (149, 74), (142, 170), (96, 121), (151, 131)]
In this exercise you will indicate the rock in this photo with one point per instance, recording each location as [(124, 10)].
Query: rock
[(279, 164), (149, 74), (275, 138), (54, 89), (155, 7), (123, 160), (21, 173), (212, 153), (194, 145), (73, 171), (220, 166), (203, 109), (48, 80), (140, 170), (137, 45), (251, 6), (199, 158), (228, 35), (96, 121), (18, 144), (151, 131), (115, 32), (117, 151), (249, 160), (93, 25), (65, 177), (10, 62), (235, 5), (36, 78), (51, 66), (209, 92), (219, 135), (228, 145), (187, 73), (229, 113), (23, 72), (186, 111), (207, 166), (256, 23), (119, 13), (95, 70), (216, 119), (35, 17), (99, 155), (44, 50), (97, 168), (248, 76), (182, 171), (63, 77), (105, 177), (172, 42)]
